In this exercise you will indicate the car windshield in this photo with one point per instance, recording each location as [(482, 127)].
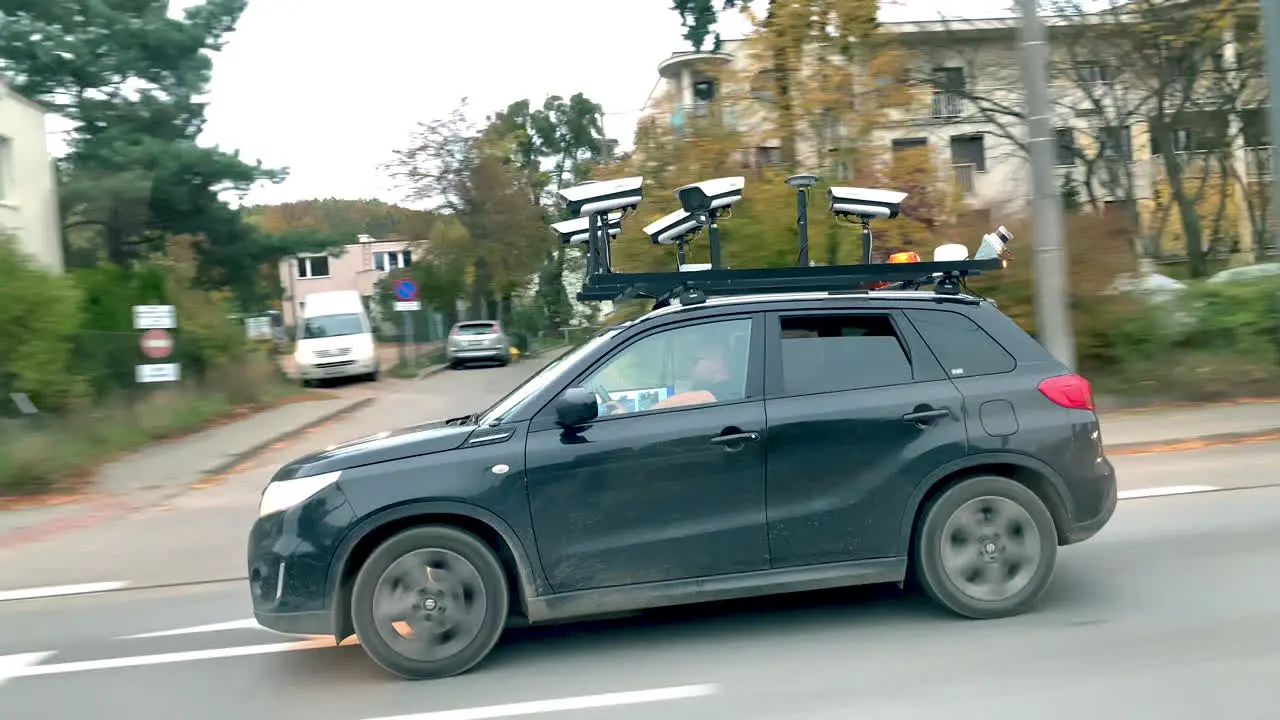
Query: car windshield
[(545, 377), (327, 326), (475, 329)]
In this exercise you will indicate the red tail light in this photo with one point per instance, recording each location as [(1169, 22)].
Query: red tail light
[(1070, 391)]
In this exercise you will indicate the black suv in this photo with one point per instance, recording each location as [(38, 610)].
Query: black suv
[(735, 447)]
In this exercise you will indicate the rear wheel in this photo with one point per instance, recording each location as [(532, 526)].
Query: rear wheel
[(429, 603), (986, 548)]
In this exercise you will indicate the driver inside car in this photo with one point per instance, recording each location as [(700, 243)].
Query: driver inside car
[(710, 378)]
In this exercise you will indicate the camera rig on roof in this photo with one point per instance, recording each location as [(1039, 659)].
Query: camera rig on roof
[(599, 207)]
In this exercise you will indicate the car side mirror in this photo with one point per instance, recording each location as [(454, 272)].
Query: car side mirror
[(576, 407)]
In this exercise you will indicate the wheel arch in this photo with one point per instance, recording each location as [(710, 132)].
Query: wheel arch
[(1035, 475), (375, 529)]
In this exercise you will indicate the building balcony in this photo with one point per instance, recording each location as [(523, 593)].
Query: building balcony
[(674, 67), (719, 115), (966, 178), (1257, 161)]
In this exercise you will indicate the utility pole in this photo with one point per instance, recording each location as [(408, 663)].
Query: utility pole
[(1053, 318), (1271, 41)]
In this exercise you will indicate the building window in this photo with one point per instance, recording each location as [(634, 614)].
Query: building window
[(704, 91), (389, 260), (969, 150), (948, 92), (1117, 143), (1066, 148), (1093, 73), (313, 266), (768, 156), (900, 144)]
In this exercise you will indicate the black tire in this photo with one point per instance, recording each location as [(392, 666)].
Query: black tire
[(1010, 522), (376, 636)]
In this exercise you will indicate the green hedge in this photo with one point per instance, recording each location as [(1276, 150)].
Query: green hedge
[(1212, 342), (67, 341)]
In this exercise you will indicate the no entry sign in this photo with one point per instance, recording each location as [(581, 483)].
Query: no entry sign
[(157, 344)]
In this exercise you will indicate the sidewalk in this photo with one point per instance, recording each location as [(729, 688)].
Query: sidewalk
[(1167, 426), (164, 469)]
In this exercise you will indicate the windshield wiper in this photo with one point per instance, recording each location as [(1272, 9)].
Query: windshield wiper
[(471, 419)]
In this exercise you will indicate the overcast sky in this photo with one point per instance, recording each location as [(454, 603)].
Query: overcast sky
[(329, 89)]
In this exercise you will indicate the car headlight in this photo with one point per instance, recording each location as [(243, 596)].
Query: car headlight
[(281, 495)]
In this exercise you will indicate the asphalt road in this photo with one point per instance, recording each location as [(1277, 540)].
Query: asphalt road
[(1169, 613)]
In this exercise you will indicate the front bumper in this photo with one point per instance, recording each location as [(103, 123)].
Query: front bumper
[(345, 367), (289, 557)]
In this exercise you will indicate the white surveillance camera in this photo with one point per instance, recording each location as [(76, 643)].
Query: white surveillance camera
[(578, 230), (711, 194), (672, 228), (865, 203), (602, 196)]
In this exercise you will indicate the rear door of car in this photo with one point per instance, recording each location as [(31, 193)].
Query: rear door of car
[(859, 412)]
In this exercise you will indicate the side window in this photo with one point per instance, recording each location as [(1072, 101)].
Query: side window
[(691, 365), (963, 348), (829, 353)]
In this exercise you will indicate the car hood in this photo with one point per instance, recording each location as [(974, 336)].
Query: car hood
[(412, 441)]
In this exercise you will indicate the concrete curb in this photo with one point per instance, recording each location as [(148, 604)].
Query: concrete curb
[(240, 457), (433, 370), (1134, 448)]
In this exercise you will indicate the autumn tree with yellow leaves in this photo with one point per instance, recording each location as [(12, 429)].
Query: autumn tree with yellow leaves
[(820, 78), (1157, 97)]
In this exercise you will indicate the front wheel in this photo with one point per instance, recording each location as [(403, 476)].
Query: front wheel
[(986, 548), (429, 603)]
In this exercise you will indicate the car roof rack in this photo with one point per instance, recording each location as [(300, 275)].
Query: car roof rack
[(605, 204)]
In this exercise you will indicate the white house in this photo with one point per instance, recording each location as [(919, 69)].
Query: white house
[(28, 181)]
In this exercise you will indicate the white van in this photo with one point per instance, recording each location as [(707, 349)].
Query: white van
[(335, 338)]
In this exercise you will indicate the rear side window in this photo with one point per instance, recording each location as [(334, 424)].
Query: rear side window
[(960, 344), (477, 329), (829, 353)]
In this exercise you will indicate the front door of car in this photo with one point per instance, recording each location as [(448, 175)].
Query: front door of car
[(859, 413), (668, 483)]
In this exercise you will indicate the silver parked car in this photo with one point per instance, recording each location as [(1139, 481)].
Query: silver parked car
[(478, 341)]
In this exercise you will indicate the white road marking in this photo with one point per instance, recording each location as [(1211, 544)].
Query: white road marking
[(60, 590), (583, 702), (163, 658), (12, 666), (246, 624), (1161, 491)]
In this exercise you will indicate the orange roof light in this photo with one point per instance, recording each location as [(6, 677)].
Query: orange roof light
[(904, 257)]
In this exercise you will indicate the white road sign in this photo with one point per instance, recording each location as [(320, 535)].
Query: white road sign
[(154, 317), (157, 372), (258, 328), (409, 306)]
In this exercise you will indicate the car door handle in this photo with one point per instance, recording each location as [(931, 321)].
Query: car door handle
[(735, 438), (926, 415)]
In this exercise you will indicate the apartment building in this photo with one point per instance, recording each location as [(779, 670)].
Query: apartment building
[(357, 266), (975, 70), (28, 181)]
